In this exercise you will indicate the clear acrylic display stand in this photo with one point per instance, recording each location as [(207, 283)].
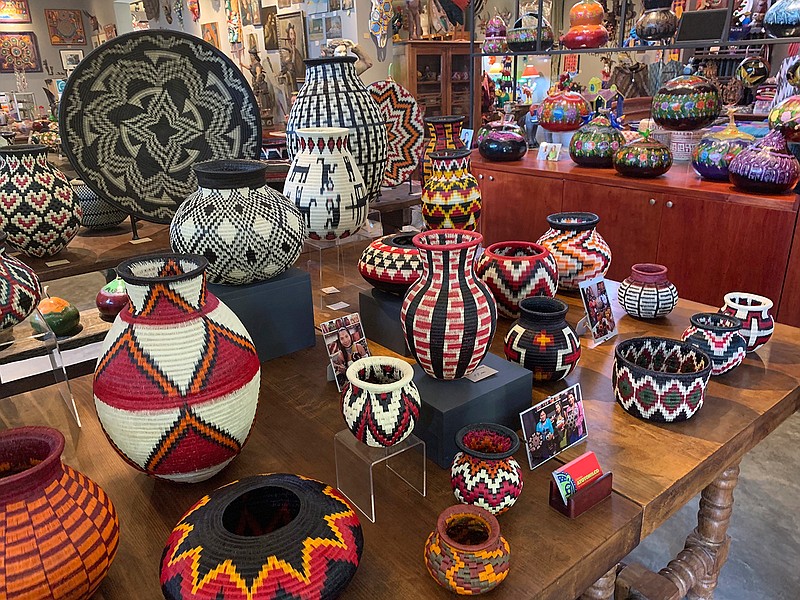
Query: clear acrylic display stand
[(360, 468), (29, 354), (322, 249)]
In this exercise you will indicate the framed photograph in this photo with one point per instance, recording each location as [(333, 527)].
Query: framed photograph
[(19, 49), (70, 58), (333, 27), (15, 11), (251, 12), (553, 425), (210, 33), (315, 28), (284, 3), (269, 20), (334, 5), (110, 31), (293, 46), (65, 27), (599, 316), (318, 7), (347, 4), (345, 342)]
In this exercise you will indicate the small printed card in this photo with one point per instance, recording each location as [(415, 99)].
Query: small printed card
[(338, 306), (549, 151), (599, 316), (482, 372), (330, 290), (553, 425), (577, 474), (345, 342)]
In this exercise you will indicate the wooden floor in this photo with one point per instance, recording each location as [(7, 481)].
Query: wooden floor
[(656, 468)]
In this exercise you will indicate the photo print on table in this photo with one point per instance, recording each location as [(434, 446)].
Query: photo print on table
[(599, 315), (345, 342), (553, 425)]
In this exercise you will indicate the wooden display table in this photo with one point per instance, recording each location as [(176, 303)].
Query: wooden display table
[(657, 469), (712, 237)]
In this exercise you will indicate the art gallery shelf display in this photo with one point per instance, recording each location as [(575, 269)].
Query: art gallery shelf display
[(542, 341), (168, 100), (97, 214), (754, 312), (60, 530), (718, 335), (580, 251), (516, 270), (264, 537), (466, 553), (334, 96), (325, 183), (448, 315), (647, 293), (181, 416), (484, 472), (38, 209), (765, 167), (444, 133), (381, 402), (595, 143), (451, 198), (686, 103), (391, 263), (246, 230), (660, 379), (20, 290)]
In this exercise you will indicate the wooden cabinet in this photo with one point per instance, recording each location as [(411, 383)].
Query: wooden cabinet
[(630, 221), (518, 207), (789, 309), (713, 247), (436, 73)]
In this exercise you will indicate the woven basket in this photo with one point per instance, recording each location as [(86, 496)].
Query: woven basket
[(177, 381), (267, 536), (60, 530)]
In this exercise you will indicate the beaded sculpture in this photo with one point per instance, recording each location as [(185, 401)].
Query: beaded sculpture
[(485, 472), (276, 536), (517, 270), (381, 403), (177, 381)]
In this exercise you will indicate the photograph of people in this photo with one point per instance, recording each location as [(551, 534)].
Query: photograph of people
[(553, 425), (345, 341), (575, 419)]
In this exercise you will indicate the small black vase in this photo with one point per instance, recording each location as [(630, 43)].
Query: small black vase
[(503, 146), (542, 341)]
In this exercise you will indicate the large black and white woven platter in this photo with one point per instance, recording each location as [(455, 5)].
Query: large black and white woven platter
[(141, 109)]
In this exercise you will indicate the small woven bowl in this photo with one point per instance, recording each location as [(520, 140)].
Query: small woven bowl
[(660, 379)]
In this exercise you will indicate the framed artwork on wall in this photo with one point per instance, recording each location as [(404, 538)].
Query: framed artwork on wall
[(70, 58), (210, 33), (269, 19), (15, 11), (19, 49), (65, 27), (293, 44)]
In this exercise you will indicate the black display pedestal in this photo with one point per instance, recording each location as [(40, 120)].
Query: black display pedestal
[(380, 315), (447, 406), (278, 313)]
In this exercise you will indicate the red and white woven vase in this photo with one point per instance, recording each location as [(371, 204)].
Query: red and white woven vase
[(580, 252), (516, 270), (448, 316), (177, 381)]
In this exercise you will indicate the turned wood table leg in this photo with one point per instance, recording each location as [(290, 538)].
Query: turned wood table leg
[(603, 588), (696, 569)]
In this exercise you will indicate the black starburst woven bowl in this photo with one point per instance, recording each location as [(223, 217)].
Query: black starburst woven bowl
[(660, 379), (141, 109)]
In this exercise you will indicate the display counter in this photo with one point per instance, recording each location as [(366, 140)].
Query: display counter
[(712, 237)]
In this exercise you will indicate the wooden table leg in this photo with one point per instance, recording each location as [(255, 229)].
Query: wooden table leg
[(696, 569), (603, 588)]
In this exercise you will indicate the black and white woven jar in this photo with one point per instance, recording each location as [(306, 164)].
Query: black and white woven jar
[(334, 96), (97, 213), (246, 230)]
